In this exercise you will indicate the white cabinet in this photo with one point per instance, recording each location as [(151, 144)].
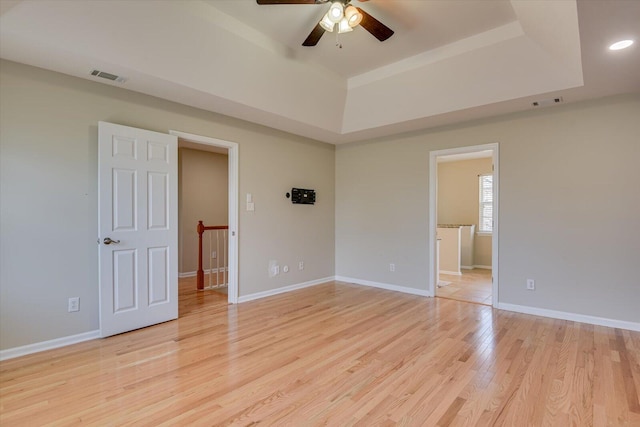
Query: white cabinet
[(467, 243), (449, 250), (456, 248)]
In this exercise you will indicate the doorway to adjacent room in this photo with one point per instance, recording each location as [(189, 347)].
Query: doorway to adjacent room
[(463, 223)]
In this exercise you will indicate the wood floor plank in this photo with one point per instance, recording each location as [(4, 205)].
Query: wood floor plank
[(334, 354)]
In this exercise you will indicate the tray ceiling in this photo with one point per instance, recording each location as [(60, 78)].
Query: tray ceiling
[(448, 61)]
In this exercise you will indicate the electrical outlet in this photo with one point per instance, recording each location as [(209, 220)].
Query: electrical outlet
[(285, 268), (214, 254), (531, 285), (301, 265), (74, 304), (392, 267)]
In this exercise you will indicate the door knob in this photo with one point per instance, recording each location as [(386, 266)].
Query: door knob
[(108, 241)]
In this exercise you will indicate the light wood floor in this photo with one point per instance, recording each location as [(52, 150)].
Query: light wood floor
[(334, 354), (473, 286), (187, 284)]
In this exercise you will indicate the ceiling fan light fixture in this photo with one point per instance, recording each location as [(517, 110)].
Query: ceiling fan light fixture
[(327, 24), (336, 12), (340, 17), (343, 26), (353, 16)]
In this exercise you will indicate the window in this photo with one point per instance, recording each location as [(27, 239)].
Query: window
[(485, 223)]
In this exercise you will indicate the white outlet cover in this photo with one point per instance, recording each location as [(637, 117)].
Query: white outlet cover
[(274, 268), (74, 304)]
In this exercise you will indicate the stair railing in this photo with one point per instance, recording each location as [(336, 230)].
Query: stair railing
[(220, 230)]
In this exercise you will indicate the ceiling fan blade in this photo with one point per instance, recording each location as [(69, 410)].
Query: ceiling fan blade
[(288, 1), (314, 37), (375, 27)]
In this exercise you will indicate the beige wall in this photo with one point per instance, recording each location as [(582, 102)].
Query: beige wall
[(569, 206), (48, 200), (458, 190), (204, 189), (458, 200)]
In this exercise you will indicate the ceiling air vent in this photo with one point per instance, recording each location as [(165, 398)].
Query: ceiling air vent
[(108, 76), (546, 102)]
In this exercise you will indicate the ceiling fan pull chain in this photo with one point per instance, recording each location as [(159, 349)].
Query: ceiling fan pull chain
[(338, 44)]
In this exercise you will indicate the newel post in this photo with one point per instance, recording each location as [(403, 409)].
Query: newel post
[(200, 273)]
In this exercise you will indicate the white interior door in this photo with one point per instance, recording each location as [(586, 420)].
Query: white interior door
[(138, 223)]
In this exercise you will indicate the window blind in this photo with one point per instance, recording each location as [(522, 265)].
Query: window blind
[(485, 222)]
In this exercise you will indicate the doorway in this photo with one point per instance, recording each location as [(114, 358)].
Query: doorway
[(213, 145), (463, 224)]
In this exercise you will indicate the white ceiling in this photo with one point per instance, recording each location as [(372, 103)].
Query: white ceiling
[(419, 26), (448, 61)]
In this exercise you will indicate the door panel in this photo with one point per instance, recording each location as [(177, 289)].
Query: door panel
[(158, 201), (124, 200), (158, 151), (138, 211), (124, 147), (125, 286), (158, 275)]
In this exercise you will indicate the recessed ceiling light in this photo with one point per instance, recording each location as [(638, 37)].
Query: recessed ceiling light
[(622, 44)]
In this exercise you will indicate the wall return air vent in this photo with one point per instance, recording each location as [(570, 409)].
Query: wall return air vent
[(108, 76), (546, 102)]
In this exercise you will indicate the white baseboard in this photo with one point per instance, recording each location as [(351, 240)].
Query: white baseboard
[(451, 273), (389, 287), (284, 289), (194, 273), (24, 350), (466, 267), (563, 315)]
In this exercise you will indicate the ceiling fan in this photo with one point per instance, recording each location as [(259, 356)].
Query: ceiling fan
[(341, 16)]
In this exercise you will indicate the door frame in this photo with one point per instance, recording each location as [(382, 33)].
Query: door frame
[(433, 212), (232, 293)]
